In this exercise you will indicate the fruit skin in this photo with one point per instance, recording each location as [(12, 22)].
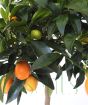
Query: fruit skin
[(86, 86), (36, 34), (7, 85), (31, 84), (86, 74), (22, 70), (13, 18)]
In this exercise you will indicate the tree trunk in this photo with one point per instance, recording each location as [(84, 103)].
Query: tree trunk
[(47, 97)]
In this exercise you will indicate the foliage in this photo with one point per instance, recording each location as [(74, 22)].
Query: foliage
[(64, 28)]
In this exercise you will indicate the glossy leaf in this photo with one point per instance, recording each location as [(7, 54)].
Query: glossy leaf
[(12, 58), (46, 80), (45, 60), (18, 98), (14, 90), (79, 6), (40, 47), (80, 79), (76, 23), (51, 29), (16, 9), (41, 14), (61, 22), (69, 42)]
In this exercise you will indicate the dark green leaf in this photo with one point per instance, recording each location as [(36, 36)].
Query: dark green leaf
[(78, 5), (18, 98), (2, 23), (14, 90), (41, 3), (40, 48), (46, 80), (44, 71), (69, 41), (41, 14), (55, 65), (69, 74), (51, 29), (76, 71), (76, 58), (4, 68), (45, 60), (80, 79), (12, 58), (59, 73), (17, 8), (76, 23), (61, 22)]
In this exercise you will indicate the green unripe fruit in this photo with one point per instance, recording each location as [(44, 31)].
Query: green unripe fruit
[(36, 34)]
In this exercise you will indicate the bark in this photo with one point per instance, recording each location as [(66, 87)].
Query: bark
[(47, 97)]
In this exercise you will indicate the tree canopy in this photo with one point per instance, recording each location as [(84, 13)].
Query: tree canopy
[(60, 29)]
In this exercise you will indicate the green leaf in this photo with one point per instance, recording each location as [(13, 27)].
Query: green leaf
[(69, 74), (2, 23), (41, 3), (18, 98), (14, 24), (2, 45), (61, 22), (80, 79), (44, 71), (4, 68), (46, 80), (3, 13), (41, 14), (69, 41), (76, 24), (12, 58), (51, 29), (45, 60), (55, 65), (79, 6), (59, 73), (14, 90), (40, 47), (17, 8)]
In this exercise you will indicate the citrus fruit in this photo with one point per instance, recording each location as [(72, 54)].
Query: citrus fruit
[(7, 85), (36, 34), (22, 70), (86, 86), (31, 83), (86, 74), (13, 18), (84, 40)]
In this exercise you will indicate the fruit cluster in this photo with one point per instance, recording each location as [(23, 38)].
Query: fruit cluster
[(22, 72)]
